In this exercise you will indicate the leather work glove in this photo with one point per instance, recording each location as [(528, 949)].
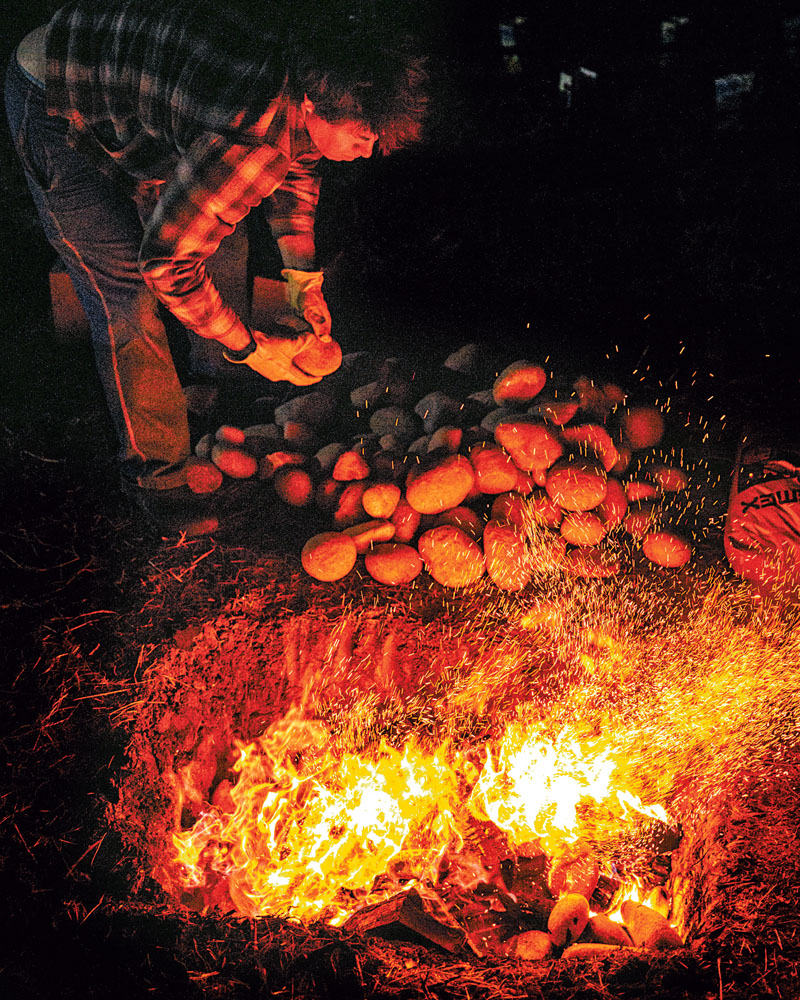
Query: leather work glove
[(273, 358), (307, 300)]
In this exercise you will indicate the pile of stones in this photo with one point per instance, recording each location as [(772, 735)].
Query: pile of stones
[(511, 480)]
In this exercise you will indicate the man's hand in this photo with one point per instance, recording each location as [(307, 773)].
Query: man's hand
[(307, 300), (273, 358)]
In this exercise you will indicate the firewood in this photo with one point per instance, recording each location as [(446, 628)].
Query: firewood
[(403, 914), (585, 950)]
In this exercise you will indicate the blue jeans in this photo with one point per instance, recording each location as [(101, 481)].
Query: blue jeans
[(96, 230)]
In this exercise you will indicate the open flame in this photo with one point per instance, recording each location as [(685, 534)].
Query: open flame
[(536, 788), (307, 833)]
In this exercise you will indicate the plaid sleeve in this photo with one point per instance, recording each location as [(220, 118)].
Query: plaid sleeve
[(214, 187), (293, 205)]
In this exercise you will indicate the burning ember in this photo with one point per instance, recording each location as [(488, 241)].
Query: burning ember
[(468, 770)]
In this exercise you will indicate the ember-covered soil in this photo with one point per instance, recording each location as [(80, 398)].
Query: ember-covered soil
[(693, 291)]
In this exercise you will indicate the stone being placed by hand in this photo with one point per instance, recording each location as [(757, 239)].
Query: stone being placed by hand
[(319, 357)]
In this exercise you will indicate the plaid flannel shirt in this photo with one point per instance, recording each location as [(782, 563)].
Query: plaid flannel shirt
[(193, 99)]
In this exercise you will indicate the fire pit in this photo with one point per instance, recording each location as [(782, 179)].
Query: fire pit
[(444, 769)]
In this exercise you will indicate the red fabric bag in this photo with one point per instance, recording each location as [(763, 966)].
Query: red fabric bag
[(762, 528)]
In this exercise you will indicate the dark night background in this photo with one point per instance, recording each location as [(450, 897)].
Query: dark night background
[(592, 190), (575, 179)]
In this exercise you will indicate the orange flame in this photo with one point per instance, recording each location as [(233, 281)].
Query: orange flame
[(535, 791), (308, 833)]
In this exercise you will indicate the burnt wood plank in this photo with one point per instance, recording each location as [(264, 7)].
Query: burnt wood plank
[(394, 918)]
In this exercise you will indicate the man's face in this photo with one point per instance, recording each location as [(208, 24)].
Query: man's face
[(346, 140)]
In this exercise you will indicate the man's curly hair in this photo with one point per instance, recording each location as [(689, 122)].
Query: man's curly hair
[(352, 69)]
